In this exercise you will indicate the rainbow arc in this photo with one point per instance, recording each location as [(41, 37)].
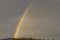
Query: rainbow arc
[(21, 20)]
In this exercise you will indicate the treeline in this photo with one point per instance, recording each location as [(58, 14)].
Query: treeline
[(24, 39), (30, 39)]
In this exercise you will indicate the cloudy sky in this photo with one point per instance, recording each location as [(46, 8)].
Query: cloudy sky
[(10, 12), (42, 20)]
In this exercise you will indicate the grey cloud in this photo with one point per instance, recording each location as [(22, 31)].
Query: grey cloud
[(42, 20), (10, 13)]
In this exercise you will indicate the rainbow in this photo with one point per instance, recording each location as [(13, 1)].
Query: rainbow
[(20, 21)]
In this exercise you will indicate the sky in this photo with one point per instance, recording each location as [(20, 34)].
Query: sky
[(42, 19), (10, 13)]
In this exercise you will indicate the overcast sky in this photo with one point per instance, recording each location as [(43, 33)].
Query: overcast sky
[(10, 12), (42, 20)]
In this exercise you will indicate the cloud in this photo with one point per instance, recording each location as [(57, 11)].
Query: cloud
[(10, 13), (42, 20)]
